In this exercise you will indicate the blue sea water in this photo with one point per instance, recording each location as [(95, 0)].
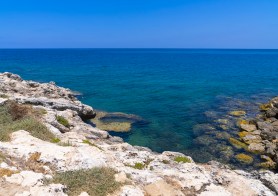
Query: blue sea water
[(175, 90)]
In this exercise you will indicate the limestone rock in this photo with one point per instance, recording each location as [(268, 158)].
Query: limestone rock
[(129, 190), (270, 180), (256, 147), (250, 138), (63, 158), (248, 127), (161, 188)]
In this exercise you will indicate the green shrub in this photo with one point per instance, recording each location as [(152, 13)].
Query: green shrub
[(68, 143), (4, 96), (139, 166), (63, 121), (10, 122), (40, 111), (96, 181), (35, 127), (181, 159), (55, 140), (91, 144), (2, 157), (165, 161), (87, 142)]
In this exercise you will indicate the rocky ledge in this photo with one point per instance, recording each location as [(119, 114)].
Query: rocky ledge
[(260, 135), (65, 144)]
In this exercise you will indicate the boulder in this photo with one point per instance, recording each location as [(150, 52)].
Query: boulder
[(272, 112), (60, 157), (250, 138), (248, 127), (256, 147), (270, 147)]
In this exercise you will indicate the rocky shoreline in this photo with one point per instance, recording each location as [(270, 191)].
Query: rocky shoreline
[(26, 160), (260, 135)]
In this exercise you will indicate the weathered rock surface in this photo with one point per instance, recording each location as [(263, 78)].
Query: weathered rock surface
[(46, 94), (146, 172)]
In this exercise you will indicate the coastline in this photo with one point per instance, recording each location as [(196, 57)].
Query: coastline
[(145, 171)]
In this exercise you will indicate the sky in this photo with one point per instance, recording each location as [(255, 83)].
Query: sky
[(139, 24)]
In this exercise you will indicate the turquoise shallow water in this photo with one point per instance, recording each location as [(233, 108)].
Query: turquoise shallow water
[(174, 90)]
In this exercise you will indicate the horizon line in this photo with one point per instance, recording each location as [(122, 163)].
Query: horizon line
[(143, 48)]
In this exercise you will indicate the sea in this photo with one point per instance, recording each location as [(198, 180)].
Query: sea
[(185, 96)]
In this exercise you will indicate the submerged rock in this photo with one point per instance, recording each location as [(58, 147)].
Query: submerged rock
[(222, 135), (243, 158), (200, 129), (238, 113), (242, 134), (269, 163), (205, 140), (222, 121), (211, 114), (115, 121), (238, 144)]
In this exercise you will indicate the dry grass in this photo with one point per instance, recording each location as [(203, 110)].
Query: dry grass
[(4, 96), (2, 157), (6, 172), (18, 111), (14, 117), (96, 181), (34, 164)]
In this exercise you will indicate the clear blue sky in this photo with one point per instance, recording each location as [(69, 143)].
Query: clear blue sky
[(139, 23)]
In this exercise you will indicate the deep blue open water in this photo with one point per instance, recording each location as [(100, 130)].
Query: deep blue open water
[(175, 90)]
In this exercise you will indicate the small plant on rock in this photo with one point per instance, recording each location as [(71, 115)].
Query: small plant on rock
[(139, 166), (2, 157), (4, 96), (91, 144), (95, 181), (55, 140), (181, 159), (63, 121), (165, 161)]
